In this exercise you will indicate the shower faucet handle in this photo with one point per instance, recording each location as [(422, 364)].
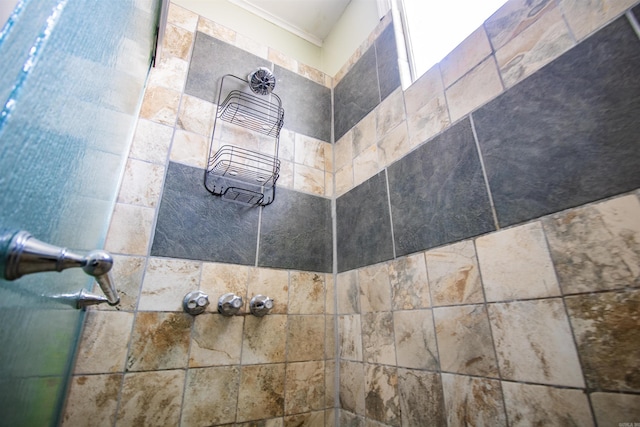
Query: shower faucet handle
[(229, 304), (260, 305)]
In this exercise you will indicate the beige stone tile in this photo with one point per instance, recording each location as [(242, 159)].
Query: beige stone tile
[(311, 419), (251, 46), (330, 306), (141, 184), (472, 51), (304, 387), (286, 150), (541, 43), (350, 337), (219, 279), (306, 293), (421, 399), (92, 400), (464, 340), (216, 30), (308, 179), (427, 87), (273, 422), (394, 145), (196, 115), (382, 402), (348, 293), (216, 340), (389, 113), (311, 73), (513, 18), (364, 133), (473, 401), (309, 151), (476, 88), (182, 17), (541, 405), (330, 383), (261, 392), (344, 151), (262, 340), (329, 337), (204, 407), (428, 121), (607, 331), (409, 285), (516, 264), (160, 105), (151, 142), (533, 343), (166, 282), (169, 72), (130, 230), (190, 149), (329, 184), (127, 272), (615, 408), (177, 42), (103, 344), (238, 136), (377, 338), (159, 341), (272, 283), (454, 276), (415, 339), (344, 180), (328, 157), (352, 387), (305, 338), (585, 18), (595, 247), (375, 289), (282, 60), (286, 174), (151, 398), (365, 165)]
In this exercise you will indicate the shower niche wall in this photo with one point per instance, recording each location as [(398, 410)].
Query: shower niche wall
[(243, 164)]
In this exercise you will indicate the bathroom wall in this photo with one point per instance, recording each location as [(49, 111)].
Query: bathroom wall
[(488, 223), (149, 363)]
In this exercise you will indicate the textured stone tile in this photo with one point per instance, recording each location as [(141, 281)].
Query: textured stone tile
[(273, 422), (252, 46), (196, 115), (262, 339), (364, 134), (216, 30), (535, 163), (141, 184), (344, 150), (350, 336), (421, 399), (516, 264), (377, 338), (389, 114), (344, 180), (352, 387), (472, 51), (261, 392), (218, 279), (309, 151), (596, 247), (473, 401), (424, 89), (304, 387), (540, 405), (387, 61), (533, 343), (151, 398), (182, 17), (190, 149), (474, 89), (306, 293), (330, 383), (166, 282), (347, 292), (513, 18), (282, 60), (454, 276), (394, 145), (127, 272), (328, 157), (366, 164), (607, 332), (170, 72), (350, 420), (93, 397), (177, 42), (103, 345), (130, 230), (160, 105), (428, 121), (309, 180), (272, 283), (151, 142), (375, 288), (585, 18), (312, 74), (216, 340), (464, 340), (409, 284), (415, 339), (381, 394), (311, 419), (201, 406), (615, 408), (330, 337), (541, 43), (438, 194), (305, 338)]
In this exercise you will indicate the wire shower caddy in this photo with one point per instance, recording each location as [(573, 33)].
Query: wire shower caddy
[(236, 173)]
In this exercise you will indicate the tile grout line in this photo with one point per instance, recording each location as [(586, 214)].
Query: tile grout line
[(484, 173), (393, 238), (633, 21)]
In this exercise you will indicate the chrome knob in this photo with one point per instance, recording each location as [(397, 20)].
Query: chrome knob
[(195, 302), (229, 304), (260, 305)]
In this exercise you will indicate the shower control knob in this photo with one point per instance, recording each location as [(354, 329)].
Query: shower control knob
[(260, 305), (195, 302), (229, 304)]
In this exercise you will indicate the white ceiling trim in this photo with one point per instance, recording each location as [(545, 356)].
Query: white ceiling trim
[(278, 21)]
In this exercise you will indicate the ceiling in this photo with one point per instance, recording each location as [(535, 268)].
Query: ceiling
[(310, 19)]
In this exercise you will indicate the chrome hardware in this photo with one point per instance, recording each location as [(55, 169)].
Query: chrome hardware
[(25, 255), (195, 302), (260, 305), (80, 299), (229, 304)]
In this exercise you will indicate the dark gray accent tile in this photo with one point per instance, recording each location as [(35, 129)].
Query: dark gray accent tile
[(194, 224), (356, 95), (567, 135), (364, 225), (307, 104), (387, 62), (211, 59), (438, 194), (636, 12), (296, 232)]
